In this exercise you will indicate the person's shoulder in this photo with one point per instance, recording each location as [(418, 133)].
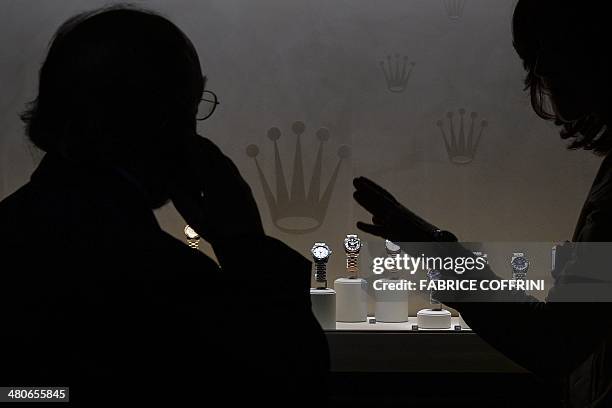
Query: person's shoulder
[(13, 201), (597, 224), (13, 213), (601, 191)]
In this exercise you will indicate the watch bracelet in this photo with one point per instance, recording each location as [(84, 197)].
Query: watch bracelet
[(321, 272), (351, 265), (193, 243)]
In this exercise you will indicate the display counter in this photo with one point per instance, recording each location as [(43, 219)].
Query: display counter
[(398, 347)]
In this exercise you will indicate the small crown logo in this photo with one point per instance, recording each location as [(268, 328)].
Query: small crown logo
[(293, 209), (397, 72), (454, 8), (461, 144)]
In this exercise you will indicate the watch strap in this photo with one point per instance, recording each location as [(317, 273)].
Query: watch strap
[(193, 243), (321, 272), (352, 267)]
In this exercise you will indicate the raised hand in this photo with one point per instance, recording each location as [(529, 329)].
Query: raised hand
[(390, 219), (214, 199)]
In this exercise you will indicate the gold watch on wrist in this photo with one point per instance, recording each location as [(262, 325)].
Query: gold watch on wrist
[(193, 238)]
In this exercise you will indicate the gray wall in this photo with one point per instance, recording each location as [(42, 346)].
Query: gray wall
[(273, 62)]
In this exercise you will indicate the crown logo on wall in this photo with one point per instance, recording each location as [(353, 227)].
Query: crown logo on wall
[(293, 209), (462, 142), (397, 72), (454, 8)]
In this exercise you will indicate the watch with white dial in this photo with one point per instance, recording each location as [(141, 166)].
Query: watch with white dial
[(352, 246), (193, 238), (392, 248), (520, 265), (320, 254)]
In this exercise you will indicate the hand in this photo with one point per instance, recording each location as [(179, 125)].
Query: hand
[(390, 219), (213, 198)]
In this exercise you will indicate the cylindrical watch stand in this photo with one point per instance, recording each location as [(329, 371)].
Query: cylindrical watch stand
[(391, 305), (351, 301), (323, 302), (434, 319)]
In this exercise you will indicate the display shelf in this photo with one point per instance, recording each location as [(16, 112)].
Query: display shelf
[(398, 327), (396, 347)]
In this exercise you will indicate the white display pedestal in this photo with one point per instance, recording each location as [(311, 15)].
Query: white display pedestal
[(391, 305), (434, 319), (323, 302), (351, 301)]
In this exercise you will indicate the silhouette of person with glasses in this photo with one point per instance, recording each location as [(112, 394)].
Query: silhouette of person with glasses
[(565, 51), (207, 105), (97, 296)]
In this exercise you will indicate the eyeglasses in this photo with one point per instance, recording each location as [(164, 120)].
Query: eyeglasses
[(207, 105)]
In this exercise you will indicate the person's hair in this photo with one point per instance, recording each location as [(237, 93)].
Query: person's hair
[(535, 20), (112, 80)]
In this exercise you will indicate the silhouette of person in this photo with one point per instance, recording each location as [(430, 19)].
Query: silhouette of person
[(95, 295), (564, 48)]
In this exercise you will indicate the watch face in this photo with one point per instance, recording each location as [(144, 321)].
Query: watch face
[(352, 243), (479, 254), (520, 263), (190, 233), (320, 251), (392, 247), (433, 274)]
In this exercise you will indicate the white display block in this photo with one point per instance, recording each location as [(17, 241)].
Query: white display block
[(391, 305), (351, 300), (434, 319), (323, 302)]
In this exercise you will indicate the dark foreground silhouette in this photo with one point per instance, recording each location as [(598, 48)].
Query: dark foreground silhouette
[(94, 294), (565, 50)]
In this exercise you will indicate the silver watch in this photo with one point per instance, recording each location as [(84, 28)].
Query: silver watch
[(392, 248), (480, 254), (520, 265), (352, 246), (320, 254)]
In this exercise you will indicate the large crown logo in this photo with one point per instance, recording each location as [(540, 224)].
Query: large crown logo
[(397, 72), (293, 209), (461, 143), (454, 8)]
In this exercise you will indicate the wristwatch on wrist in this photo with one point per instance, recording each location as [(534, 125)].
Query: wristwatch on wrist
[(193, 238), (520, 265), (320, 254), (352, 246)]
